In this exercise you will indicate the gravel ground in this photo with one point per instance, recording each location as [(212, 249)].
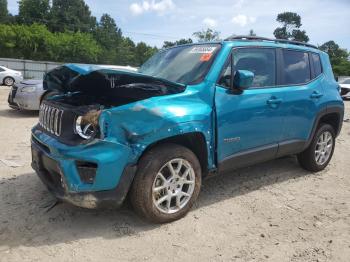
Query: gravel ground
[(274, 211)]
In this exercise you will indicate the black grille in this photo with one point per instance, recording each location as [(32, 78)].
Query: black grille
[(50, 119)]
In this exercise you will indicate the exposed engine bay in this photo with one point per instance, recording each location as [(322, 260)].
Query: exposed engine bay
[(85, 94), (107, 87)]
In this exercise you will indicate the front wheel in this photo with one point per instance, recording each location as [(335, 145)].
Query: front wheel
[(319, 153), (9, 81), (167, 183)]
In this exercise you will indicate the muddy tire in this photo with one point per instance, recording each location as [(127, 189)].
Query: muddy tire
[(319, 153), (167, 183)]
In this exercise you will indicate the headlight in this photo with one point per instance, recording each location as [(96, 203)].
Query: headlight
[(87, 126), (28, 89)]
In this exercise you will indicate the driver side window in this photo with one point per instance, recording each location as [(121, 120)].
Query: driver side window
[(260, 61)]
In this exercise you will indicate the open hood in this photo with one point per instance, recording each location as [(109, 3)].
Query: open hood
[(92, 78)]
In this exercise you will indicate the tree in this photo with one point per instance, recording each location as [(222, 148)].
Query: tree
[(33, 11), (126, 52), (336, 54), (143, 52), (4, 14), (252, 33), (108, 35), (338, 57), (71, 15), (207, 35), (291, 22), (182, 41), (38, 43)]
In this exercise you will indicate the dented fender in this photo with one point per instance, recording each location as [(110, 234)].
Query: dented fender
[(143, 123)]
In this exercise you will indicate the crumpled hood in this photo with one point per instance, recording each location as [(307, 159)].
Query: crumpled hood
[(81, 77)]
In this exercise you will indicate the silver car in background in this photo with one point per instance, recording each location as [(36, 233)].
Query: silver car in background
[(27, 95), (8, 76)]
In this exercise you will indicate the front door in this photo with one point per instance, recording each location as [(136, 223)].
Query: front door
[(249, 124)]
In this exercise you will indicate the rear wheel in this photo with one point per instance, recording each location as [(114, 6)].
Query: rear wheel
[(167, 183), (317, 156), (9, 81)]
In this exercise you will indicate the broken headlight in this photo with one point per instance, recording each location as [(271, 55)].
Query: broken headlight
[(87, 126)]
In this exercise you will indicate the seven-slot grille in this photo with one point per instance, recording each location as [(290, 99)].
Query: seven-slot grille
[(50, 118)]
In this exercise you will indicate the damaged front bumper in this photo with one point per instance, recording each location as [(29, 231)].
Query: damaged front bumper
[(57, 165)]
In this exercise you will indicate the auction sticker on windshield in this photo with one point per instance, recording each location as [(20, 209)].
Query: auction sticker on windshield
[(203, 50)]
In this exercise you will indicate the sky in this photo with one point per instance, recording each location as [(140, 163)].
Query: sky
[(156, 21)]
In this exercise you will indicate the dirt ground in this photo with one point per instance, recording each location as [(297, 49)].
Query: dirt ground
[(270, 212)]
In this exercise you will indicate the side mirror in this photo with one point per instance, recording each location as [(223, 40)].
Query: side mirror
[(243, 79), (336, 78)]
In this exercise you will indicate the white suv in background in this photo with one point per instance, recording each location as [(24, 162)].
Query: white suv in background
[(8, 76), (345, 88)]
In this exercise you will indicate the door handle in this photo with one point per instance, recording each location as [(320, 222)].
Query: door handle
[(274, 101), (316, 94)]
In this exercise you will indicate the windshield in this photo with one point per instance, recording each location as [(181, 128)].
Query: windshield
[(183, 64), (347, 81)]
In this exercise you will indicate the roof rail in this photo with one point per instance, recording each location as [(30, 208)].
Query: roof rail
[(257, 38)]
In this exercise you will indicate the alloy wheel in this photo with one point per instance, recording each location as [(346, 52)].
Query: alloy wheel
[(173, 186), (324, 147)]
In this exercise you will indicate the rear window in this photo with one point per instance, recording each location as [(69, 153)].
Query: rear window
[(315, 58), (296, 67)]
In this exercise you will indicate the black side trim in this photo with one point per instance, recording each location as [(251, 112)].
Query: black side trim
[(247, 158), (290, 147)]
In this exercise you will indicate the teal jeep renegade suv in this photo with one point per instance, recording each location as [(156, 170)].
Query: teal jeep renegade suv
[(190, 112)]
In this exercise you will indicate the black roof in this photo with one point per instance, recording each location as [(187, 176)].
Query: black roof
[(258, 38)]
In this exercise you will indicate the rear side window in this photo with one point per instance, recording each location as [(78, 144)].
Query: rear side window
[(315, 58), (296, 67)]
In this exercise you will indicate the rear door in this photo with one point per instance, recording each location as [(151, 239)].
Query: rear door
[(302, 80)]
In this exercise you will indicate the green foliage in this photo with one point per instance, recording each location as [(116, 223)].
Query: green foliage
[(182, 41), (126, 52), (38, 43), (143, 52), (109, 36), (72, 35), (33, 11), (207, 35), (71, 15), (4, 14), (339, 58), (291, 22)]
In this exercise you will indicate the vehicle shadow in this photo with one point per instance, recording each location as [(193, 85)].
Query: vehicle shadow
[(29, 217), (13, 113)]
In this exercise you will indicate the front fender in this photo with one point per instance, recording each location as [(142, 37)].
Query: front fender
[(143, 123)]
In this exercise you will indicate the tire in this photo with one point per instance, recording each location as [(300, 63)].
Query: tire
[(147, 180), (8, 81), (310, 159)]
